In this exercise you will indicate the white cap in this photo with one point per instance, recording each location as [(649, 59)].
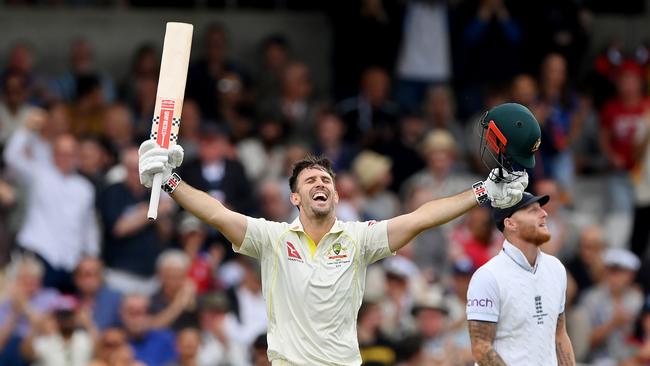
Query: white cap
[(623, 258), (401, 267)]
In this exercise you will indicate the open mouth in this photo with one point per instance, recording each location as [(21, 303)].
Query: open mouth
[(319, 196)]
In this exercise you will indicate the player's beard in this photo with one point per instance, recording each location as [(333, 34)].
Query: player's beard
[(534, 234)]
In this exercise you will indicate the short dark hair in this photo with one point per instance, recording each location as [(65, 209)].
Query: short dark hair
[(310, 161)]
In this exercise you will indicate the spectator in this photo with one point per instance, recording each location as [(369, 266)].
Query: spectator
[(174, 305), (274, 203), (587, 267), (94, 160), (485, 27), (60, 238), (441, 175), (188, 342), (113, 350), (192, 236), (410, 351), (259, 350), (476, 238), (561, 116), (233, 107), (350, 197), (247, 304), (641, 179), (613, 306), (217, 348), (8, 200), (376, 348), (132, 242), (296, 105), (82, 63), (263, 155), (204, 75), (439, 113), (430, 312), (423, 61), (154, 347), (218, 175), (275, 54), (14, 107), (621, 117), (641, 338), (404, 149), (144, 65), (117, 126), (330, 143), (370, 117), (20, 59), (87, 112), (401, 274), (373, 172), (64, 343), (26, 304), (95, 297)]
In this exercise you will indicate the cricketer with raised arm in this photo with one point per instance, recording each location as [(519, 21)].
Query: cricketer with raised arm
[(313, 269)]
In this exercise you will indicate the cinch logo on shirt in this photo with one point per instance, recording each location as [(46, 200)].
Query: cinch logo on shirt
[(293, 253), (483, 303)]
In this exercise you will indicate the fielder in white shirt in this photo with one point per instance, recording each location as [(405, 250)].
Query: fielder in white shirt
[(515, 302), (313, 269)]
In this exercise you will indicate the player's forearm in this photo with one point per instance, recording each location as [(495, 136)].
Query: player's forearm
[(441, 211), (564, 350), (489, 357), (231, 224), (402, 229)]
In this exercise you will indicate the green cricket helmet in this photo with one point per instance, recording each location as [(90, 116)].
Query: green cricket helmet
[(510, 136)]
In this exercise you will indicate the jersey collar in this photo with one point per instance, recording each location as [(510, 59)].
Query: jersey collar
[(296, 225), (518, 257)]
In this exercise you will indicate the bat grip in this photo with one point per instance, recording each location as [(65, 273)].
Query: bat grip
[(155, 196)]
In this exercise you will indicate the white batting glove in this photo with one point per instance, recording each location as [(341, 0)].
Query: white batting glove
[(506, 193), (154, 159)]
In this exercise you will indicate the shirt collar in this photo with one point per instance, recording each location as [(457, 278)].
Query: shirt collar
[(518, 257), (296, 225)]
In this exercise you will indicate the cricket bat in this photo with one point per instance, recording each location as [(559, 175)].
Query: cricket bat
[(169, 97)]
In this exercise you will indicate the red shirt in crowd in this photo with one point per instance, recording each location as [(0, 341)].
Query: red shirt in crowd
[(622, 122)]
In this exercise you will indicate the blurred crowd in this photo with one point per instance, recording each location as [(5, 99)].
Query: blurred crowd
[(87, 280)]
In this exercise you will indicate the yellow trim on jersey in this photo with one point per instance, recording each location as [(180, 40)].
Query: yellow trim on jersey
[(312, 245)]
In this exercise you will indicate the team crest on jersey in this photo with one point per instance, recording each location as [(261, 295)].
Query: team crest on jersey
[(338, 254), (539, 310)]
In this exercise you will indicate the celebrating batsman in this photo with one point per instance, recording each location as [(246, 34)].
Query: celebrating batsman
[(313, 269)]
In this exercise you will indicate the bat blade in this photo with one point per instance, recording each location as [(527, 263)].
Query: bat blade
[(169, 96)]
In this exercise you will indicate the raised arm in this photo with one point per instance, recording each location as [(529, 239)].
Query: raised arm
[(402, 229), (19, 153), (154, 159), (482, 336), (563, 347)]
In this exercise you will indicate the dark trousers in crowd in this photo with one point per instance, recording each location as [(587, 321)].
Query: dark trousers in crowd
[(640, 231), (57, 278)]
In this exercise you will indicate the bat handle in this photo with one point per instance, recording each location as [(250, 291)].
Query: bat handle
[(155, 196)]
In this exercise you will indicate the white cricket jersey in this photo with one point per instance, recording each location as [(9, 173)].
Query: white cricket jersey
[(525, 302), (313, 292)]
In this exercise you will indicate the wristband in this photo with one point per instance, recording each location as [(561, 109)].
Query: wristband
[(480, 192), (172, 182)]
